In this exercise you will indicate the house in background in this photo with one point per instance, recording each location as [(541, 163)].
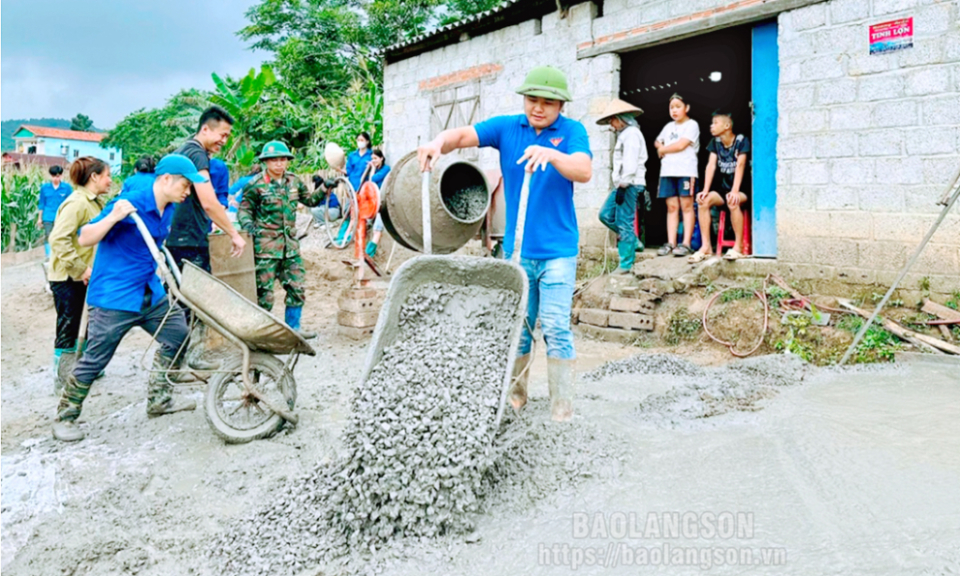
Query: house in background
[(854, 140), (68, 144), (19, 161)]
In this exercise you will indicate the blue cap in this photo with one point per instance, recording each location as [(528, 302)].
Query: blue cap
[(180, 165)]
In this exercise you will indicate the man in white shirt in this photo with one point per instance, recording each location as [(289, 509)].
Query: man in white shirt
[(629, 178)]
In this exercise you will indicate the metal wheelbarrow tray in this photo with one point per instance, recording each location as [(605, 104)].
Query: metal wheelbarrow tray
[(252, 395), (459, 271), (260, 330), (456, 270)]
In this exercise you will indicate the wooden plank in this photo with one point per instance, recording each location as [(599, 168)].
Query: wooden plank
[(904, 333), (939, 310)]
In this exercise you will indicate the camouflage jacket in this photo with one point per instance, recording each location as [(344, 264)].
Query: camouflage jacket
[(269, 213)]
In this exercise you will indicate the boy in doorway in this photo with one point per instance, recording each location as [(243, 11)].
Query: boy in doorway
[(677, 145), (728, 153)]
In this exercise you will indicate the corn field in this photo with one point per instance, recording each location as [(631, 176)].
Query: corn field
[(21, 193)]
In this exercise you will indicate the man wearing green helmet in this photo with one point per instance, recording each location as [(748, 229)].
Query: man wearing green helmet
[(556, 149), (268, 212)]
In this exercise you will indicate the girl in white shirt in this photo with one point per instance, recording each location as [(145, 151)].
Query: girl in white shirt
[(677, 145)]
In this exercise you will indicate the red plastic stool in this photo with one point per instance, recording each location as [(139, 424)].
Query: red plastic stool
[(721, 243)]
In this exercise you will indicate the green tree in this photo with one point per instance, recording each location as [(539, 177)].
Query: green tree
[(157, 131), (81, 122), (319, 46)]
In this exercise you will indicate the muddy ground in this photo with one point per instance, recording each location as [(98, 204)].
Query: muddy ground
[(826, 472)]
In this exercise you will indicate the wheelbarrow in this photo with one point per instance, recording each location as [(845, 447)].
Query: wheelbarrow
[(253, 394), (457, 270)]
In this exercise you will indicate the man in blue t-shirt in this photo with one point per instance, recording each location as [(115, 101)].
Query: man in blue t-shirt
[(52, 195), (555, 148), (125, 292)]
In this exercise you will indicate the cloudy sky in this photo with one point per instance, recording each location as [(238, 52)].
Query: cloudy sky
[(106, 58)]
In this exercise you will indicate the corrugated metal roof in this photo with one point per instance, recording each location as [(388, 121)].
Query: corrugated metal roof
[(451, 27)]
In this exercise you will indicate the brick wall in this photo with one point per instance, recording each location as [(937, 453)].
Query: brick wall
[(868, 143), (500, 60)]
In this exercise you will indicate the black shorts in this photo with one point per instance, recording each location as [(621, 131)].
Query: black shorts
[(723, 196)]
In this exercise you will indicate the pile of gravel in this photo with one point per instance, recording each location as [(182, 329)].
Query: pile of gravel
[(469, 203), (707, 392), (645, 364), (418, 443)]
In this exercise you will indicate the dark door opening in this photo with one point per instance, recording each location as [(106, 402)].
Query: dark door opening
[(712, 72)]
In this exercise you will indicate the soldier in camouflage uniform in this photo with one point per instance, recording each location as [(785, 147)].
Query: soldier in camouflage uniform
[(269, 213)]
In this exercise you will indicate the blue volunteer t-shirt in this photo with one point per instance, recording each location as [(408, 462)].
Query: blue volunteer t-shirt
[(356, 164), (138, 180), (51, 198), (380, 176), (220, 179), (124, 268), (551, 224)]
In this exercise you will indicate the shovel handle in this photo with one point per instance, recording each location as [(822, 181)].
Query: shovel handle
[(521, 217), (152, 246), (425, 207)]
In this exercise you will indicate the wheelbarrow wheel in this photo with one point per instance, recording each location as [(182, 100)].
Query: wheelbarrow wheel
[(238, 417)]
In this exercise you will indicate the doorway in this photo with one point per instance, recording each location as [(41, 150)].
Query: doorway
[(712, 72)]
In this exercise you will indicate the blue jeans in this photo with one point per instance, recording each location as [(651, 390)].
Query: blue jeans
[(621, 219), (552, 283)]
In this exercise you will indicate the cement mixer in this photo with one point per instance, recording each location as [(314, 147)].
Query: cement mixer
[(459, 200)]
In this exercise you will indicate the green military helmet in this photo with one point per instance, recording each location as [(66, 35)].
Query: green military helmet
[(275, 149), (546, 82)]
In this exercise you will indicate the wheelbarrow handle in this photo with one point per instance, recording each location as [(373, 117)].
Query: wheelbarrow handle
[(521, 217), (425, 207), (152, 246)]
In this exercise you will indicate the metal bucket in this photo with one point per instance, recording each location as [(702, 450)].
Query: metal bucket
[(458, 191)]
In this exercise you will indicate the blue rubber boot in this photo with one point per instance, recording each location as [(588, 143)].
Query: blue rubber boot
[(292, 317)]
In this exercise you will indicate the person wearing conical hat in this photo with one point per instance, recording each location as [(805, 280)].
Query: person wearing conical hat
[(268, 212), (556, 150), (619, 212)]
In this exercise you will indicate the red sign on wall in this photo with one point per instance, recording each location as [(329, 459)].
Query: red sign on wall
[(890, 36)]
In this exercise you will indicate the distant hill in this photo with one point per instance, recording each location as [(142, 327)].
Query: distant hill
[(8, 127)]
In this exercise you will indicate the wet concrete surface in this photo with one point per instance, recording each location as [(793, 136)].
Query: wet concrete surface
[(850, 473), (840, 472)]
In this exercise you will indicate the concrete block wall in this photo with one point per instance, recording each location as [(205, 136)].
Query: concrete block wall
[(867, 144), (500, 60)]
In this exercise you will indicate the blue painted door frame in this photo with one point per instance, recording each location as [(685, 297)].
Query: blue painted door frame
[(766, 78)]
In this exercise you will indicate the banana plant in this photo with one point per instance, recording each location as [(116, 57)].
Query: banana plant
[(240, 99)]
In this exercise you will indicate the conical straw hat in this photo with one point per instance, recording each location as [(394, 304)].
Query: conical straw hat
[(334, 155), (617, 106)]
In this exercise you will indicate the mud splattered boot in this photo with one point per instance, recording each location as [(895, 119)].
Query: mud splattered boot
[(560, 376), (57, 379), (196, 350), (65, 427), (517, 395), (160, 397)]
